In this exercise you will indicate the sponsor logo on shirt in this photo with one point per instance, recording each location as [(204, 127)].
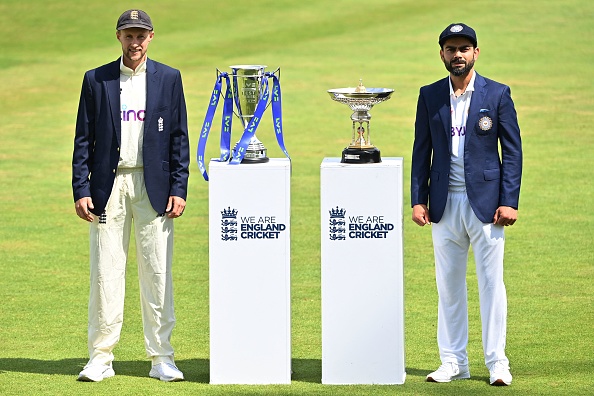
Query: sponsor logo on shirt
[(132, 115)]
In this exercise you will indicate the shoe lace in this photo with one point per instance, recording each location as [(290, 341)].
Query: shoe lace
[(499, 366), (449, 368)]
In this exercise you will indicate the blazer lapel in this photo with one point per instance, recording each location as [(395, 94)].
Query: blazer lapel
[(113, 94), (152, 78), (476, 103), (445, 110)]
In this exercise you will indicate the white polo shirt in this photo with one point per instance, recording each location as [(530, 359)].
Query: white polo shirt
[(459, 107), (132, 114)]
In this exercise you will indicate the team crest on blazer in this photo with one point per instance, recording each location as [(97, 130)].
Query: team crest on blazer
[(485, 123)]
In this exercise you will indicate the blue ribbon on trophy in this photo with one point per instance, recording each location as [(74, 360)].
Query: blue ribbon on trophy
[(250, 92), (225, 124)]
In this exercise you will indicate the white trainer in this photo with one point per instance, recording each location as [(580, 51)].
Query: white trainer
[(448, 372), (499, 374), (166, 372), (95, 373)]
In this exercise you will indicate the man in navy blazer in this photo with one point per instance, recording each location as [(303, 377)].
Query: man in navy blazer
[(465, 181), (165, 145), (130, 164)]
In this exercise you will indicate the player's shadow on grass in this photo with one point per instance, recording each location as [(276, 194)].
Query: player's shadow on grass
[(310, 370), (422, 375), (307, 370), (195, 370)]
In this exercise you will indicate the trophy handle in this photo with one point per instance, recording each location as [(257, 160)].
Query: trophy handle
[(278, 76)]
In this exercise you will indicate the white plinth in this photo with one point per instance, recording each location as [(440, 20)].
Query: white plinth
[(250, 312), (362, 273)]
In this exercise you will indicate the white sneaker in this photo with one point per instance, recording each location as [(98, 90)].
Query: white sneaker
[(96, 373), (448, 372), (499, 374), (166, 372)]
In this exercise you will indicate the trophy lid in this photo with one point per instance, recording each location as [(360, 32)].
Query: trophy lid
[(356, 93), (360, 92), (360, 98), (248, 67)]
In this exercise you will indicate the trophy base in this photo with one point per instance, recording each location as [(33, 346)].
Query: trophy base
[(259, 160), (255, 154), (352, 155)]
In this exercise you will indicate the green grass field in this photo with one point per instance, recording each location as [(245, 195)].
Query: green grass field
[(542, 49)]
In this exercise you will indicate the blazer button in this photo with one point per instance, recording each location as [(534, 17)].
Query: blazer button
[(118, 149), (113, 171)]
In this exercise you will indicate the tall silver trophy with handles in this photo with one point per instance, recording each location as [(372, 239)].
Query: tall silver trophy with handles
[(248, 90), (247, 83), (361, 100)]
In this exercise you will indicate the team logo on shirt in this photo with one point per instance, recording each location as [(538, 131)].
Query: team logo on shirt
[(485, 123)]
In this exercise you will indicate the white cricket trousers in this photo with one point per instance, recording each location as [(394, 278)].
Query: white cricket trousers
[(109, 241), (452, 236)]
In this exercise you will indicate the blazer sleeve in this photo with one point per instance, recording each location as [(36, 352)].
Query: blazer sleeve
[(511, 151), (82, 157), (179, 160), (421, 155)]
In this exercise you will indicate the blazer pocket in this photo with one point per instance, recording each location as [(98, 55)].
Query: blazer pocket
[(491, 174)]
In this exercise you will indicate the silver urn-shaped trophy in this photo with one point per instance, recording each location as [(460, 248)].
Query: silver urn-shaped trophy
[(247, 87), (247, 93), (361, 100)]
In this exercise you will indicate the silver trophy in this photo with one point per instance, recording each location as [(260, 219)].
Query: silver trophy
[(361, 100), (247, 88)]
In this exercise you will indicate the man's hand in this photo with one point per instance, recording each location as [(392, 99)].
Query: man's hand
[(505, 216), (420, 215), (82, 207), (175, 207)]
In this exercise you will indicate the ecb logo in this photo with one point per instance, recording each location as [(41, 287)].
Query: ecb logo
[(229, 224), (337, 224), (249, 227), (342, 227)]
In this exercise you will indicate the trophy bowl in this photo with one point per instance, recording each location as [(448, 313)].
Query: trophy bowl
[(360, 100)]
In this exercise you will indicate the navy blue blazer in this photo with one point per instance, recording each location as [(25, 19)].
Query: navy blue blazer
[(166, 154), (492, 180)]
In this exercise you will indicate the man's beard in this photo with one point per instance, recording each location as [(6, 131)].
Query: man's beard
[(130, 54), (460, 70)]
